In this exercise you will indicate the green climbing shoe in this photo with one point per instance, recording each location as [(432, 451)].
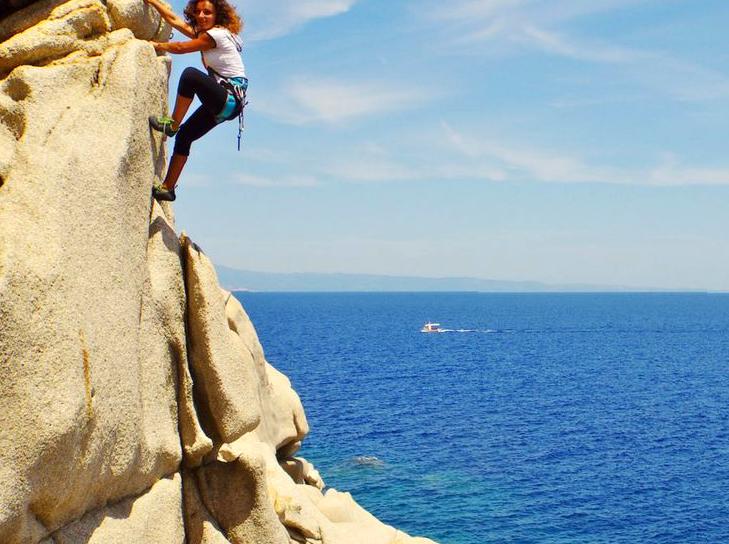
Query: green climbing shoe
[(163, 124), (163, 195)]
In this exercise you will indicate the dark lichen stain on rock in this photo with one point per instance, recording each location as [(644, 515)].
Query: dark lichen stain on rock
[(17, 89)]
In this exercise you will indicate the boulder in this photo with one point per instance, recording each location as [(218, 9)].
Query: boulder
[(154, 517), (283, 420), (143, 20), (225, 382), (236, 495), (201, 527), (89, 412)]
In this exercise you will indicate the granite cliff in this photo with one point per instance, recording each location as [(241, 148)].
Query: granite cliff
[(136, 403)]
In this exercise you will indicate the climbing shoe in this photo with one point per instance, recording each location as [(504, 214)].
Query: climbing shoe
[(163, 195), (163, 124)]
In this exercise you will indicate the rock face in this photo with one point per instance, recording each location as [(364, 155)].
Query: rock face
[(136, 403)]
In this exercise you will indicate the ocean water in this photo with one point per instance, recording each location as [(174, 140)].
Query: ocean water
[(549, 418)]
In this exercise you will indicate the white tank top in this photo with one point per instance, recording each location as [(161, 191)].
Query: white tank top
[(225, 57)]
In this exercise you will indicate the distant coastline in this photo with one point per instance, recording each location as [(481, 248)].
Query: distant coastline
[(248, 280)]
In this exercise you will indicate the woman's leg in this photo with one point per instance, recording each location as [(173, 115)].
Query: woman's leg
[(199, 124), (213, 97), (182, 104), (195, 82), (177, 163)]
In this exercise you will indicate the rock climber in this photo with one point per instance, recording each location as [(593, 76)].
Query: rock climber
[(213, 27)]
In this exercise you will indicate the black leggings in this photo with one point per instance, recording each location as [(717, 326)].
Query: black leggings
[(213, 97)]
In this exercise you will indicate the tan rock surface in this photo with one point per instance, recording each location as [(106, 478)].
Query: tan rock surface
[(200, 526), (70, 27), (236, 495), (154, 517), (74, 298), (283, 420), (302, 472), (224, 377), (167, 287), (143, 20)]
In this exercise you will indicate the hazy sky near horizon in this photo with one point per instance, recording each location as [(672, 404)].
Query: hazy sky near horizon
[(559, 141)]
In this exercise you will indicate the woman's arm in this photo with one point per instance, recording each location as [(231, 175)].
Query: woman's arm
[(168, 15), (201, 43)]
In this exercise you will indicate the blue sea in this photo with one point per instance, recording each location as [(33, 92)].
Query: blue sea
[(538, 418)]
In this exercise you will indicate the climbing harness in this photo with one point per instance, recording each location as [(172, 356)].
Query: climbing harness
[(236, 102)]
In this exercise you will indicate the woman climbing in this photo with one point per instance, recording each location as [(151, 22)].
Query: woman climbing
[(213, 27)]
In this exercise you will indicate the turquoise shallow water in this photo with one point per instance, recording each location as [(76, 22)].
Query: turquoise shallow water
[(551, 418)]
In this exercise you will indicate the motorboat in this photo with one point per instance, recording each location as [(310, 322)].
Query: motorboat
[(431, 327)]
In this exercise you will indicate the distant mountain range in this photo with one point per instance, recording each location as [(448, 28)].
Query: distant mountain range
[(247, 280)]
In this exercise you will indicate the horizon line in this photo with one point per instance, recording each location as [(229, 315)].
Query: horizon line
[(566, 287), (505, 292)]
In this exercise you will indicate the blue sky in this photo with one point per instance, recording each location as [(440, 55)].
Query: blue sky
[(561, 141)]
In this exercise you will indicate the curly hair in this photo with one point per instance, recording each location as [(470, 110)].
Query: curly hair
[(225, 15)]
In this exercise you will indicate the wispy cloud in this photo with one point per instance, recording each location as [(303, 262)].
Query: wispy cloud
[(521, 26), (271, 181), (671, 171), (267, 19), (193, 179), (459, 156), (529, 164), (361, 165), (531, 24), (309, 100), (521, 162), (484, 12), (681, 80), (371, 169), (557, 44), (200, 180)]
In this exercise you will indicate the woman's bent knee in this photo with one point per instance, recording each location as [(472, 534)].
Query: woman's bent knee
[(189, 81), (190, 71)]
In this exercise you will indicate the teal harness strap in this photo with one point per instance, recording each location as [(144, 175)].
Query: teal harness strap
[(236, 87), (227, 110)]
